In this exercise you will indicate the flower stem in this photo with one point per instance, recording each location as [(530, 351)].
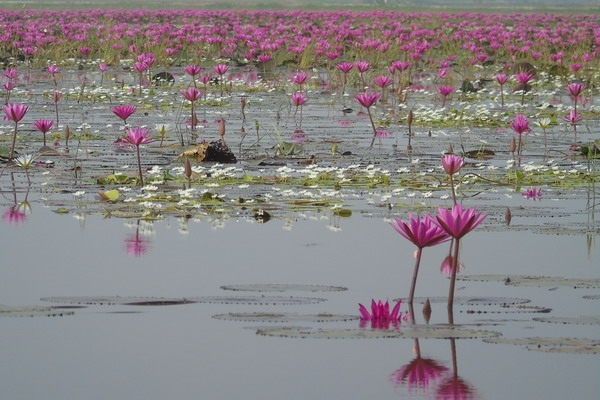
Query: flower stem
[(414, 277), (14, 141), (452, 189), (453, 277), (140, 166), (372, 126)]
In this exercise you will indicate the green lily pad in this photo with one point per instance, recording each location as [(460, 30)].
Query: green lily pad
[(268, 287), (32, 311), (479, 300), (534, 281), (553, 345), (413, 332), (284, 317)]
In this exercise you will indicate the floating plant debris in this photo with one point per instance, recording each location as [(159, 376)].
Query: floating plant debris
[(118, 300), (583, 320), (553, 345), (534, 281), (415, 332), (284, 317), (33, 311), (275, 287)]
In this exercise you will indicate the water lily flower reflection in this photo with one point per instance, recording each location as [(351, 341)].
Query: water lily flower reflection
[(419, 373), (15, 215), (380, 316), (532, 194), (136, 245)]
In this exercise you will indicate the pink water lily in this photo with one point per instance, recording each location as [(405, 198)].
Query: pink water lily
[(457, 222), (367, 100), (138, 136), (422, 232), (15, 113), (44, 125), (452, 163), (124, 112), (380, 316)]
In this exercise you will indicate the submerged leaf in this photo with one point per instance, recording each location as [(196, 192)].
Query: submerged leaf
[(585, 320)]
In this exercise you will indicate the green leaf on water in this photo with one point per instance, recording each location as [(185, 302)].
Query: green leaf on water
[(343, 212), (553, 345), (110, 195)]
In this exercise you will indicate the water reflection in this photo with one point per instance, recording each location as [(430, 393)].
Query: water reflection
[(138, 243), (17, 213), (421, 373)]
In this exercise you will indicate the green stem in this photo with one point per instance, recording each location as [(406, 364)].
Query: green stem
[(14, 141)]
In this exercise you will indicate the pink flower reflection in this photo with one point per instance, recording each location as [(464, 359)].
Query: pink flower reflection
[(14, 215), (456, 388), (418, 374), (136, 245)]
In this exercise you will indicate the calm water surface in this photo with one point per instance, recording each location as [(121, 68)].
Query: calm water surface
[(180, 352)]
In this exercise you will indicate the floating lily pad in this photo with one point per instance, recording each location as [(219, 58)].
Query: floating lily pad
[(584, 320), (285, 317), (413, 332), (534, 281), (479, 300), (268, 287), (33, 311), (118, 300), (258, 300), (592, 297), (553, 345)]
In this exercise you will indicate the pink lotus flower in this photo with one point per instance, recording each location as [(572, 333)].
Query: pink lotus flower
[(573, 117), (192, 94), (124, 112), (193, 70), (445, 91), (422, 233), (401, 65), (53, 69), (138, 136), (299, 99), (362, 66), (299, 79), (380, 316), (11, 73), (575, 88), (459, 221), (15, 112), (345, 67), (452, 163), (520, 125), (383, 81), (501, 79), (44, 125), (366, 99), (221, 69), (523, 77)]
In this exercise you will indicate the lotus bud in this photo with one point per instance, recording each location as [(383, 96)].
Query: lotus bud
[(188, 169), (507, 216), (243, 102), (222, 128), (513, 145), (409, 118), (427, 311), (450, 149)]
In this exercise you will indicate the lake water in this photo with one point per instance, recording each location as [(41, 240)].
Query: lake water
[(181, 352)]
